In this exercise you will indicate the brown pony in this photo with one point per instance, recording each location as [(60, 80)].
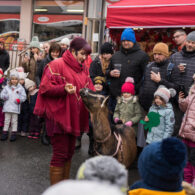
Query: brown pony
[(118, 141)]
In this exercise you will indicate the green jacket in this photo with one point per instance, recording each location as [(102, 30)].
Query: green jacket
[(128, 111)]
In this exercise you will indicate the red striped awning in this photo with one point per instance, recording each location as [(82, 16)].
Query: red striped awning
[(151, 14)]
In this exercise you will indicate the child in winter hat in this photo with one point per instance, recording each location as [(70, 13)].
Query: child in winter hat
[(13, 95), (104, 169), (128, 110), (161, 168), (34, 126), (99, 84), (160, 120), (73, 187)]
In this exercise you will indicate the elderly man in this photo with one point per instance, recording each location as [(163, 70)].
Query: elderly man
[(179, 37), (185, 61), (130, 61), (158, 72)]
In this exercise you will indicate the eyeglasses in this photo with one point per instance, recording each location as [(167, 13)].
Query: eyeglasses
[(177, 36)]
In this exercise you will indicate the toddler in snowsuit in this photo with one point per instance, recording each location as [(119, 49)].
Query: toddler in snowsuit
[(13, 95)]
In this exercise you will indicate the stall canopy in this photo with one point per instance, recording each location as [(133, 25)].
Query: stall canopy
[(151, 14)]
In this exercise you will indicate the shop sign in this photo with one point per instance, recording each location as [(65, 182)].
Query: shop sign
[(43, 19)]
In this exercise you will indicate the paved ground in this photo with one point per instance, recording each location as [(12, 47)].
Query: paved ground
[(24, 166)]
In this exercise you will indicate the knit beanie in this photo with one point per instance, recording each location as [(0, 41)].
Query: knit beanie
[(22, 75), (128, 86), (191, 36), (65, 41), (29, 83), (161, 165), (1, 71), (14, 73), (161, 48), (128, 35), (79, 43), (165, 93), (35, 43), (74, 187), (107, 48), (99, 80), (104, 169)]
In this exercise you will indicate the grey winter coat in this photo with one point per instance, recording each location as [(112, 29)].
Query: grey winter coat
[(9, 94), (166, 126)]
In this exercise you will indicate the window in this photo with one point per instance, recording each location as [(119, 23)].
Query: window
[(54, 20)]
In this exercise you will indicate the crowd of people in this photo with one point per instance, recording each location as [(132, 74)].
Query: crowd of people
[(155, 98)]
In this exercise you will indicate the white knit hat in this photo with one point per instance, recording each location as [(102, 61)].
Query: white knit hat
[(29, 83), (165, 93), (75, 187), (65, 41), (14, 73)]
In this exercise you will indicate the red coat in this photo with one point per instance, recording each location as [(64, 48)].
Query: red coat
[(66, 110)]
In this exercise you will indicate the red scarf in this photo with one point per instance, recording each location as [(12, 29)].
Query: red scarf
[(67, 110)]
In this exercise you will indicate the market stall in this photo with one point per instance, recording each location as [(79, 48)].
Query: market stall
[(155, 20)]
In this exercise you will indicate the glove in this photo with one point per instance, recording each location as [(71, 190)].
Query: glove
[(129, 123), (116, 120), (18, 101)]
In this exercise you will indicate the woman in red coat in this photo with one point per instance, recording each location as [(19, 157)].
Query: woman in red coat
[(60, 103)]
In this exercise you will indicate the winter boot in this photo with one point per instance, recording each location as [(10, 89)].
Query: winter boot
[(67, 169), (13, 137), (4, 136), (56, 174)]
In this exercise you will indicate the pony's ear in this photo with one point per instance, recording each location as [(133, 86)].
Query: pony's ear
[(105, 101)]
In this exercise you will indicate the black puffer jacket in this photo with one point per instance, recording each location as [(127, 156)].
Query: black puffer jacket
[(148, 87), (96, 68), (133, 63), (4, 60), (41, 67), (189, 58)]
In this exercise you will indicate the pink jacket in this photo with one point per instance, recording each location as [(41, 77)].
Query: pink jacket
[(187, 105)]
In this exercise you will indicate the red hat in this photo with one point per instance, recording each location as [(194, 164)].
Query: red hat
[(1, 71), (128, 86)]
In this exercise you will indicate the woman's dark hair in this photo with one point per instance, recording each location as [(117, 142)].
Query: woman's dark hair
[(54, 47)]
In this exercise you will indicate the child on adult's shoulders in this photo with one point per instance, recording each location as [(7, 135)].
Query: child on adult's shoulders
[(128, 110)]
